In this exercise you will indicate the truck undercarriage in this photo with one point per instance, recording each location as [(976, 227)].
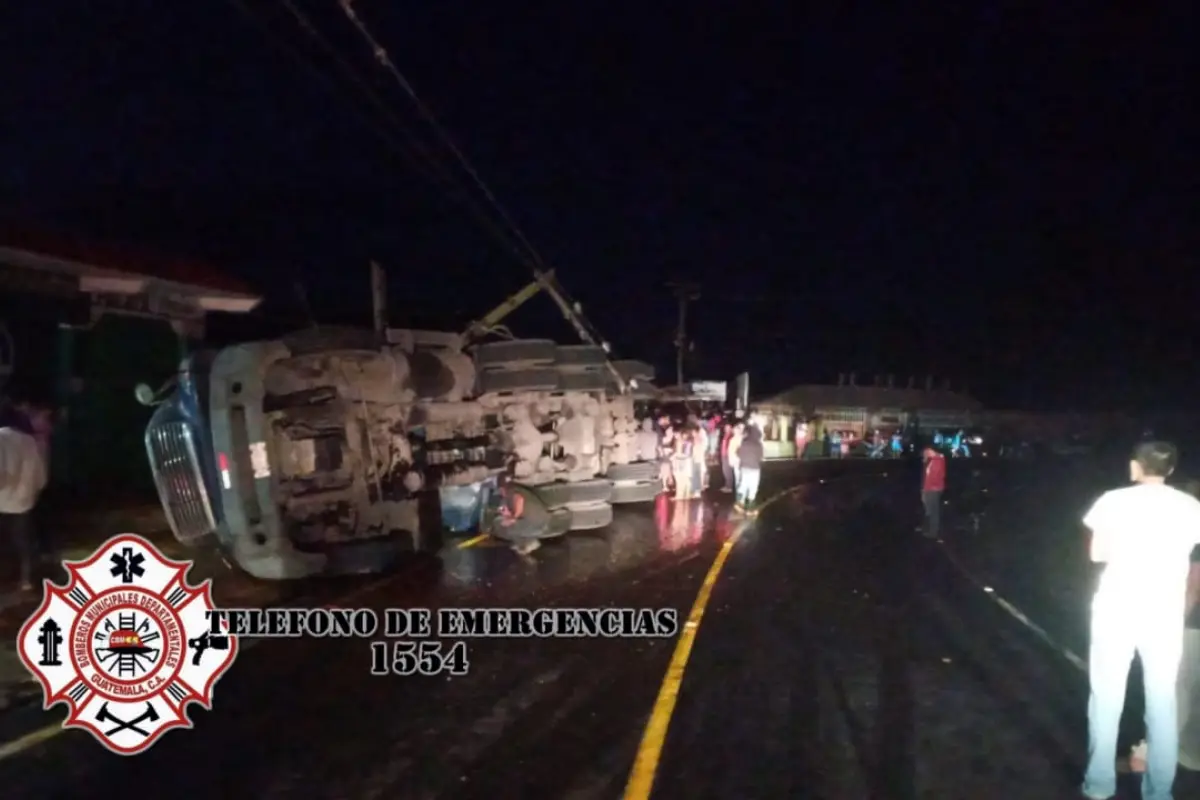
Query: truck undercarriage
[(329, 441)]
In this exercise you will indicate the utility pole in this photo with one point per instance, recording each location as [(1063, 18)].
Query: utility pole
[(379, 299), (684, 293)]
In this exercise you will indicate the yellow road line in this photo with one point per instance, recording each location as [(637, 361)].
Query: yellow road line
[(22, 743), (474, 540), (641, 777)]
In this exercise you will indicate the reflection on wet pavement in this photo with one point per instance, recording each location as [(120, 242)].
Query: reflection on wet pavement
[(634, 539), (535, 717)]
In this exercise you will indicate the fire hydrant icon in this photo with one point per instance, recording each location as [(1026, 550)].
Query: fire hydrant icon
[(50, 638)]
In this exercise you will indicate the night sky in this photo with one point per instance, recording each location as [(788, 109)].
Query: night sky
[(1002, 194)]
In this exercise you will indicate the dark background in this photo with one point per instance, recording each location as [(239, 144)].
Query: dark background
[(1003, 194)]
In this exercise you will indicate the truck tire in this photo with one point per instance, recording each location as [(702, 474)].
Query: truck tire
[(515, 353), (560, 494), (578, 356), (591, 517), (533, 379), (591, 381), (640, 492), (637, 471)]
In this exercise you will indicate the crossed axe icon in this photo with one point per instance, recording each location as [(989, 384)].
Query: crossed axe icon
[(149, 715)]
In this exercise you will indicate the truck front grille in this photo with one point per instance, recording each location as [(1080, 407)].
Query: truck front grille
[(172, 452)]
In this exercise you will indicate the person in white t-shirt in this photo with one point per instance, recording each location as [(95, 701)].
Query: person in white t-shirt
[(1143, 535), (22, 478)]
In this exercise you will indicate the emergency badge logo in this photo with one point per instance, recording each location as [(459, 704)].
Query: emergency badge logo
[(126, 645)]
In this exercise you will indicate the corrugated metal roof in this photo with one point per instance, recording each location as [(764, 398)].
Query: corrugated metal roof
[(817, 396)]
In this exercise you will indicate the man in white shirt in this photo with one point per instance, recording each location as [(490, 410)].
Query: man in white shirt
[(1143, 535), (22, 478)]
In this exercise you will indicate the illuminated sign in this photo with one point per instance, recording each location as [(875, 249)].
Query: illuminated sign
[(709, 390)]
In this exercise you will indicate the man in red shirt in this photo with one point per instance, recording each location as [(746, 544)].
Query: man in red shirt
[(932, 486)]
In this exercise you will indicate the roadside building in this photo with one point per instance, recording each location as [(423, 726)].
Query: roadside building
[(83, 324), (856, 412), (701, 398)]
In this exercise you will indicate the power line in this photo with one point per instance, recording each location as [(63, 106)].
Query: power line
[(381, 55), (332, 85), (464, 198), (409, 148), (346, 69), (570, 309)]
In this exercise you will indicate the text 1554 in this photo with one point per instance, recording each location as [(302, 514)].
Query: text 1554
[(419, 658)]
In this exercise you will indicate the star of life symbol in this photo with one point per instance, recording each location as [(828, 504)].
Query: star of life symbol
[(126, 645)]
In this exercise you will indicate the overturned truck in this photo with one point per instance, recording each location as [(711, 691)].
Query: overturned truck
[(325, 452)]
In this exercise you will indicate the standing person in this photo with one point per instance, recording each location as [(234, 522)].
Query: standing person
[(22, 478), (1188, 685), (750, 456), (932, 485), (726, 466), (646, 441), (40, 424), (666, 454), (801, 438), (713, 428), (878, 443), (712, 465), (682, 463), (734, 460), (699, 459), (1143, 535)]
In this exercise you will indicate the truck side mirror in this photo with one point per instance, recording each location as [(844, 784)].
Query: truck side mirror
[(144, 394)]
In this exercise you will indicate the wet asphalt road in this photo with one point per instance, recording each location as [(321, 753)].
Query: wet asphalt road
[(551, 718), (840, 657), (843, 658), (305, 719)]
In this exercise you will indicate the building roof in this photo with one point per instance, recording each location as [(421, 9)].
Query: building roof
[(816, 396), (46, 251)]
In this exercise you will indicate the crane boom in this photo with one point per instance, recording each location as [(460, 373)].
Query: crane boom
[(546, 281), (510, 304)]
